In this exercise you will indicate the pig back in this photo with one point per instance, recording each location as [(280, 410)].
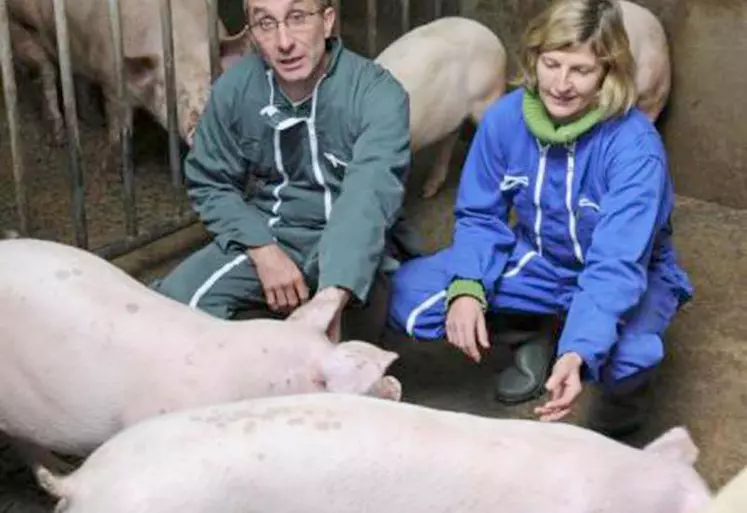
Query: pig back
[(37, 269), (342, 453), (452, 62), (50, 291)]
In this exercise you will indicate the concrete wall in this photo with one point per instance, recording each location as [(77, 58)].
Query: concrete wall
[(704, 125)]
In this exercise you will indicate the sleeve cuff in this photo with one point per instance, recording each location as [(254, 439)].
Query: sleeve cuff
[(589, 332), (472, 288)]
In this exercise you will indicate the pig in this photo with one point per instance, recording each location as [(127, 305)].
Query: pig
[(339, 453), (648, 43), (732, 497), (91, 53), (453, 68), (86, 350)]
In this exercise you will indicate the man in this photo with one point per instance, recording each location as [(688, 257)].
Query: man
[(297, 168)]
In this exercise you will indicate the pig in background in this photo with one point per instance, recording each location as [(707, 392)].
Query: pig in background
[(453, 68), (648, 42), (335, 453), (34, 44), (86, 350)]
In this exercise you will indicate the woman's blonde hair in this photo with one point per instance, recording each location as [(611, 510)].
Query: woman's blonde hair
[(567, 23)]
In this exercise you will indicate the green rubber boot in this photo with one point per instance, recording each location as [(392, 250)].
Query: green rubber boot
[(525, 380), (620, 413)]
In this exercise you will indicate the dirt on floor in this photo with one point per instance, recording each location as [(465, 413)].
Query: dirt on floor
[(48, 173)]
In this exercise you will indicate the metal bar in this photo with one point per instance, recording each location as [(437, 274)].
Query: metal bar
[(124, 118), (171, 112), (437, 8), (371, 28), (71, 124), (405, 16), (11, 105), (128, 244), (215, 68)]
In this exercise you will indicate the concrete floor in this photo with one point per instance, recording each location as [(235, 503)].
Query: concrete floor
[(701, 386)]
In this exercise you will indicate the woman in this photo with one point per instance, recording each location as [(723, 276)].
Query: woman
[(586, 174)]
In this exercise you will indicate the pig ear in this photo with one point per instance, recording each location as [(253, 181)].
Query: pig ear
[(387, 387), (141, 70), (676, 445), (316, 313), (356, 367), (233, 48)]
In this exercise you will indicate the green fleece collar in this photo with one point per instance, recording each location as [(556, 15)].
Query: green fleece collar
[(543, 128)]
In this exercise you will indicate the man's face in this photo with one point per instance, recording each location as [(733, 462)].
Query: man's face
[(295, 48)]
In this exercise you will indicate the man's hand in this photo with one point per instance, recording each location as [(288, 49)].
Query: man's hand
[(465, 326), (341, 297), (282, 281), (564, 385)]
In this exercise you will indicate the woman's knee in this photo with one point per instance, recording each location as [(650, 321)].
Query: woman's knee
[(418, 297), (633, 359)]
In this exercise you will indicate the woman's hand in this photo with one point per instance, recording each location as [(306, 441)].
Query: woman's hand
[(564, 386), (465, 326)]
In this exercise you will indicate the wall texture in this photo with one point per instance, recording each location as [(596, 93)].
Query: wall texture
[(706, 123)]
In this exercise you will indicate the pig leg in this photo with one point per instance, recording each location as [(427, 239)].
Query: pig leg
[(111, 163), (440, 169), (34, 455), (49, 86), (30, 53)]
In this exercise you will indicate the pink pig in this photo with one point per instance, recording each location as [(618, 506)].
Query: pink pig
[(86, 350), (337, 453), (453, 68), (648, 43)]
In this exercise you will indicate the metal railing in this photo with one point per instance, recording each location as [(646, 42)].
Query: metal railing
[(135, 236)]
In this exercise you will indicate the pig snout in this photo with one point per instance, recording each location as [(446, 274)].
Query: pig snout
[(387, 387), (357, 367), (192, 101), (190, 124)]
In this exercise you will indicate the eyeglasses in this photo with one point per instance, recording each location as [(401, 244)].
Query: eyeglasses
[(295, 20)]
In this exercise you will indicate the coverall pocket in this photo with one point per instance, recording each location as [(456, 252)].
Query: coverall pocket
[(587, 217), (260, 162)]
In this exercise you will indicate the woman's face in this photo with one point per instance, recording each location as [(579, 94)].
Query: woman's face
[(568, 81)]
